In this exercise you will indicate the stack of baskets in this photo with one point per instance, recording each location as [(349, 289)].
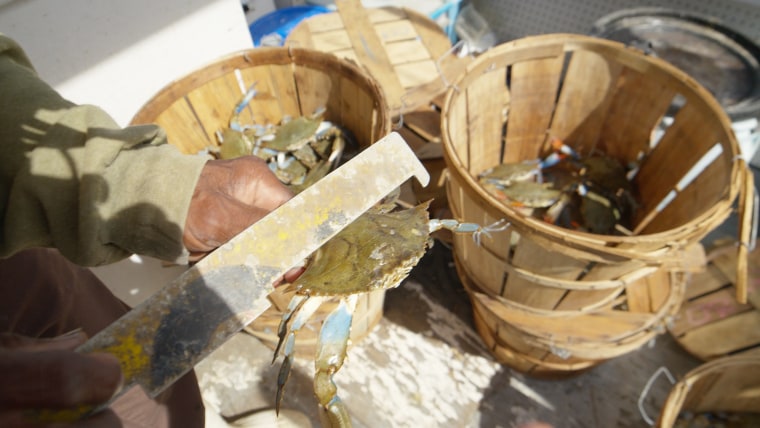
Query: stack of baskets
[(549, 300), (290, 82)]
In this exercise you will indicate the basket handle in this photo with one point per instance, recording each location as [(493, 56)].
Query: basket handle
[(645, 392), (748, 223), (449, 65)]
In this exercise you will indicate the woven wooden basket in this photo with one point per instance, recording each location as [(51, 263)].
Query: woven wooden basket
[(592, 94), (727, 384), (560, 343), (711, 323), (290, 82)]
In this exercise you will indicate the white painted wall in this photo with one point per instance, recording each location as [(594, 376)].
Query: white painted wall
[(116, 55)]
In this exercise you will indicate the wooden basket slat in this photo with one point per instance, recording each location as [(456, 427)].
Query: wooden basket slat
[(725, 260), (603, 326), (648, 293), (707, 309), (485, 121), (529, 254), (318, 89), (458, 131), (533, 90), (637, 95), (638, 297), (596, 344), (683, 144), (506, 334), (532, 257), (630, 270), (190, 138), (489, 340), (730, 384), (659, 295), (532, 333), (400, 47), (491, 60), (598, 327), (529, 332), (499, 243), (696, 200), (707, 281), (525, 292), (363, 108), (712, 392), (583, 103), (587, 300), (489, 271), (214, 102), (712, 323), (722, 338), (508, 347), (276, 97)]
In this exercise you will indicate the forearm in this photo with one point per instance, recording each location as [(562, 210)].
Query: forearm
[(72, 179)]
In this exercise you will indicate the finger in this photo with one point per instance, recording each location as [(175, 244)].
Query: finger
[(293, 274), (224, 218), (67, 341), (56, 379), (254, 184), (105, 419), (20, 419)]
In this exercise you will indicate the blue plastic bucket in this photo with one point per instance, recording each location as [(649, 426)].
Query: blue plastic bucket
[(278, 24)]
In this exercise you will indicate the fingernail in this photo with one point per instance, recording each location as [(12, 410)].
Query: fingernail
[(72, 338), (73, 333)]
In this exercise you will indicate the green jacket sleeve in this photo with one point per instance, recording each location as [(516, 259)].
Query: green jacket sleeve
[(71, 178)]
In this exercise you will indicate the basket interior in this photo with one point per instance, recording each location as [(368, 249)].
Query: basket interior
[(597, 96), (289, 82)]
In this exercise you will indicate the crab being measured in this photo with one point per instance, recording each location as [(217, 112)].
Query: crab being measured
[(377, 251)]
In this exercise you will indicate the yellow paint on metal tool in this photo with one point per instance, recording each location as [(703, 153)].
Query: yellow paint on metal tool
[(131, 354)]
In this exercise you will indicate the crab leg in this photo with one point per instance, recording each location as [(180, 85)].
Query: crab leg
[(331, 352), (282, 330), (474, 228), (247, 97), (303, 309)]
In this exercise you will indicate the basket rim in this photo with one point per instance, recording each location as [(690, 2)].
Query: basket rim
[(268, 55), (677, 397), (571, 42)]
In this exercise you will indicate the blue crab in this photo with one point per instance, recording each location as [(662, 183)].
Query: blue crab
[(590, 193), (298, 150), (377, 251)]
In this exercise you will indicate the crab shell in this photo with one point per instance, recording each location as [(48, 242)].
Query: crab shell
[(376, 251)]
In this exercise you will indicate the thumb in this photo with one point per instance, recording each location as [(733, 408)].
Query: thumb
[(67, 341)]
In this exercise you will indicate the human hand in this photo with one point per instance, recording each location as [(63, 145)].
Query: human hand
[(49, 374), (230, 196)]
